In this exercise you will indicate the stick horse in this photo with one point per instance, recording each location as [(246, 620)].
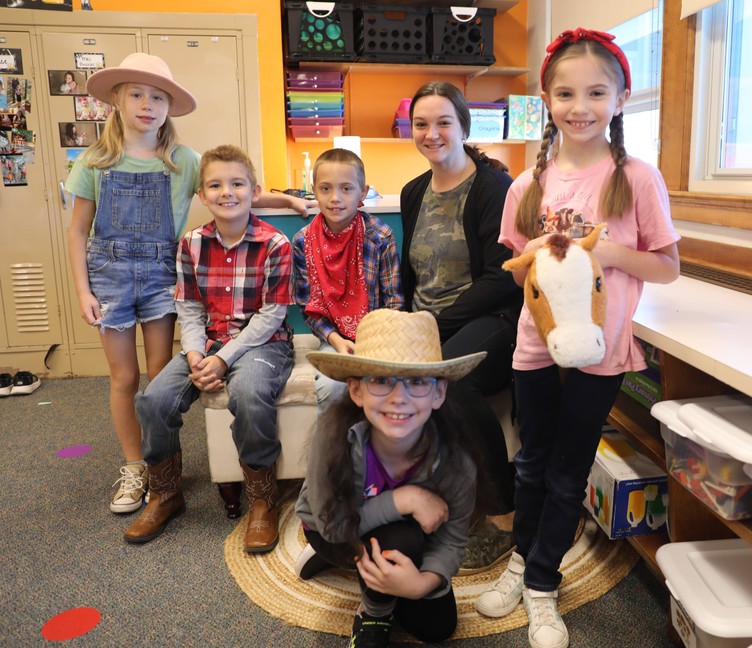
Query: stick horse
[(566, 296)]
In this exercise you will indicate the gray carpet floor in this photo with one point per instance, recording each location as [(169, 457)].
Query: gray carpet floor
[(62, 548)]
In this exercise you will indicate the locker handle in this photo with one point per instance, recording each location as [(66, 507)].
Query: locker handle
[(62, 195)]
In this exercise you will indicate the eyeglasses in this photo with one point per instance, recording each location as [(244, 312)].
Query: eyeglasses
[(416, 386)]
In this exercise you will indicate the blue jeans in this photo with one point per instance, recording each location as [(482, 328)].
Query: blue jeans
[(328, 390), (560, 423), (254, 382)]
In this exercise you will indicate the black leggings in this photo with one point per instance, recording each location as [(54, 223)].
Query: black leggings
[(429, 620)]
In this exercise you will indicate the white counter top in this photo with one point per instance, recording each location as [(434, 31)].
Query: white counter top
[(388, 204), (706, 326)]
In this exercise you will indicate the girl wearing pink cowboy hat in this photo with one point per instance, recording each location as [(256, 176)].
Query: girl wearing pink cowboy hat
[(133, 189)]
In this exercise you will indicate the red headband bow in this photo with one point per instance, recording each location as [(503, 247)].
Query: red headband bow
[(580, 34)]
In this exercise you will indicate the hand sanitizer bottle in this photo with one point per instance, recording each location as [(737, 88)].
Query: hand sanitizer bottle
[(306, 173)]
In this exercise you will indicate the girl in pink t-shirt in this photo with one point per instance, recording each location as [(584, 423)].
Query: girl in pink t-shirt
[(588, 179)]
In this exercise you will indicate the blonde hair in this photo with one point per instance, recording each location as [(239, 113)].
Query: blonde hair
[(107, 151), (227, 153), (617, 198)]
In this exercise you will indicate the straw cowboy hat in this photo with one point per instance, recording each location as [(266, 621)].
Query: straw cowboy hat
[(395, 343), (140, 67)]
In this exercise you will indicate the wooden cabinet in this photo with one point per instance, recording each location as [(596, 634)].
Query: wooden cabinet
[(702, 333)]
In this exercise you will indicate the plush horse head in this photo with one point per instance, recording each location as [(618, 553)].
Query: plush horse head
[(566, 295)]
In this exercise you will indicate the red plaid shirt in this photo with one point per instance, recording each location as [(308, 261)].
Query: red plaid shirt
[(233, 284)]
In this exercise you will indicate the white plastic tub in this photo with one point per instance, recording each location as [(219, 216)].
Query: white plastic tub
[(709, 450), (711, 591)]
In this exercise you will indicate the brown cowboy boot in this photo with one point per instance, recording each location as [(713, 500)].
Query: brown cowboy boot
[(261, 488), (165, 501)]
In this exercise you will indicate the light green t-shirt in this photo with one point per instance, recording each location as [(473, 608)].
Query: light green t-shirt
[(86, 182)]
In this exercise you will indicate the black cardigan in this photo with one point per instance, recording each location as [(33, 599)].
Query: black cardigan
[(493, 290)]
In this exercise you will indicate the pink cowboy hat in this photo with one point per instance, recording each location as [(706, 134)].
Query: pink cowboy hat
[(140, 67)]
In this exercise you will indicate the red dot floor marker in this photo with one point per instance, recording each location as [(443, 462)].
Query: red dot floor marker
[(71, 624)]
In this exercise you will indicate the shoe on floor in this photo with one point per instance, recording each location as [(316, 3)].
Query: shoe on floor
[(309, 563), (506, 593), (488, 546), (134, 480), (6, 382), (370, 631), (547, 629), (24, 382)]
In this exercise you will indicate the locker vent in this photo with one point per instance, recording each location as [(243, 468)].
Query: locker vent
[(30, 297), (717, 276)]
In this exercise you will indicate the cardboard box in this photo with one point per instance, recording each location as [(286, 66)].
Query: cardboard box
[(487, 125), (626, 492), (645, 386)]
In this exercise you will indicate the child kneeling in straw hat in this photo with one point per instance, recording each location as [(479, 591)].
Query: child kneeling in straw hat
[(390, 487)]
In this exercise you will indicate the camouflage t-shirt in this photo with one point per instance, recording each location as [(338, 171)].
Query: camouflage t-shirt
[(438, 251)]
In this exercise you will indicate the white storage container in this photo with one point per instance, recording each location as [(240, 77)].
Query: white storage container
[(709, 450), (711, 591)]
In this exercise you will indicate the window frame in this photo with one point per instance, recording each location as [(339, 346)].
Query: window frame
[(677, 86), (706, 171)]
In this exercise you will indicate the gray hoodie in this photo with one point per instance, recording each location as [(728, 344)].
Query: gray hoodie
[(444, 547)]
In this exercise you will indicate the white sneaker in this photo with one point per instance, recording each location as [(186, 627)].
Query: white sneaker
[(505, 594), (134, 480), (547, 629)]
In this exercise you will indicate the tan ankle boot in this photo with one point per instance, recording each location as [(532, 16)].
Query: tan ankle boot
[(261, 488), (165, 501)]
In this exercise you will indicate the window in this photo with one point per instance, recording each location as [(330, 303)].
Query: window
[(721, 153), (640, 38)]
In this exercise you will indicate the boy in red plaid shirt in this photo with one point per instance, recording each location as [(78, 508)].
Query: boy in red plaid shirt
[(233, 287)]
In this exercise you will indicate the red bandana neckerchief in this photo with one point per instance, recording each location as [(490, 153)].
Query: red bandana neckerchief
[(580, 34), (336, 278)]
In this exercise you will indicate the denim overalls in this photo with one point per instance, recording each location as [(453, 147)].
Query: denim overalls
[(131, 256)]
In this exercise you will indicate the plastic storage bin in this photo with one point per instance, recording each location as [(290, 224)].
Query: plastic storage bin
[(324, 132), (394, 34), (401, 128), (320, 31), (487, 122), (709, 450), (314, 80), (711, 591), (462, 35)]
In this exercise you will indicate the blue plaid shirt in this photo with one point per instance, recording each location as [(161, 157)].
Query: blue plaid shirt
[(382, 273)]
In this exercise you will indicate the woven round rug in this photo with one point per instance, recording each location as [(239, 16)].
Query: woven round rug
[(328, 602)]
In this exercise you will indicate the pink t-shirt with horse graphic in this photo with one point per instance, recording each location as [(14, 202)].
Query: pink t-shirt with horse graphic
[(570, 205)]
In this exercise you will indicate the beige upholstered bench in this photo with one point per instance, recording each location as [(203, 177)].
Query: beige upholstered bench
[(295, 419)]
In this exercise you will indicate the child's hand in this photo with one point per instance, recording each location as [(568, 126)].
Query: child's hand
[(391, 572), (301, 205), (425, 506), (208, 373), (341, 344), (90, 310), (536, 243)]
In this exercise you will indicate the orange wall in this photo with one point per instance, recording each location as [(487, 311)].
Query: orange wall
[(271, 73)]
